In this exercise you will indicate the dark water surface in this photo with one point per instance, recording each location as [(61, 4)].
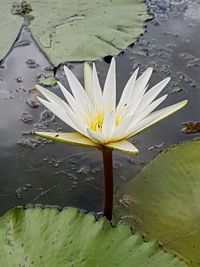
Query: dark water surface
[(33, 170)]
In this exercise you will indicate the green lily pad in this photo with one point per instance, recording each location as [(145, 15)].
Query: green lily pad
[(10, 27), (48, 237), (86, 29), (48, 81), (163, 200), (76, 30)]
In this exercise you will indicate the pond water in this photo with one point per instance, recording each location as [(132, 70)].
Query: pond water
[(34, 170)]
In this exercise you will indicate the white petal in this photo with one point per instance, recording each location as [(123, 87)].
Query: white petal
[(60, 112), (97, 92), (50, 96), (71, 100), (139, 90), (66, 115), (152, 94), (96, 137), (135, 128), (154, 118), (88, 80), (121, 128), (108, 125), (127, 90), (68, 138), (123, 146), (149, 109), (109, 92), (77, 90), (142, 81)]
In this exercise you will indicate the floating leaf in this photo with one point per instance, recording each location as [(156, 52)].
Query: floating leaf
[(48, 81), (74, 30), (48, 237), (166, 197), (86, 30), (10, 27)]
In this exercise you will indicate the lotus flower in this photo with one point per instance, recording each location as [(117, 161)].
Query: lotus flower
[(94, 115)]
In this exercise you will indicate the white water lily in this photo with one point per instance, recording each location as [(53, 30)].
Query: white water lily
[(93, 113)]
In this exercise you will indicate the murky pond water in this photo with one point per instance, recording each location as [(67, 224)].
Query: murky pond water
[(34, 170)]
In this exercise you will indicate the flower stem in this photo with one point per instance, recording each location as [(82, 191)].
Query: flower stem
[(108, 183)]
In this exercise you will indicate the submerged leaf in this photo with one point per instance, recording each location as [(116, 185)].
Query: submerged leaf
[(166, 198), (48, 237)]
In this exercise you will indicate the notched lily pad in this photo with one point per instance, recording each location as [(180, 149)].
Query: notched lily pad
[(86, 29), (49, 237), (167, 196), (74, 30)]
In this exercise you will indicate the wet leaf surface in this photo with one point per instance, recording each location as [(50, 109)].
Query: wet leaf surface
[(26, 234), (10, 27), (86, 30), (48, 80), (74, 31), (166, 200)]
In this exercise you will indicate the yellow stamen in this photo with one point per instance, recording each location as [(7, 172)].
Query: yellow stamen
[(96, 123), (118, 120)]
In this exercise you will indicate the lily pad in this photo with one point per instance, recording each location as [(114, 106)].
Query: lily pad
[(10, 27), (48, 81), (75, 30), (165, 200), (85, 29), (48, 237)]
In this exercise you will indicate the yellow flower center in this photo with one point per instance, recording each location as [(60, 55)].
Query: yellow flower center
[(96, 123), (118, 120)]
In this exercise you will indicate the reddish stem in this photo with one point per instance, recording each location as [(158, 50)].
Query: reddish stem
[(108, 183)]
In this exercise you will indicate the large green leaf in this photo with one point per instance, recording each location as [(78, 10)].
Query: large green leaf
[(74, 30), (10, 27), (163, 200), (86, 29), (50, 238)]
